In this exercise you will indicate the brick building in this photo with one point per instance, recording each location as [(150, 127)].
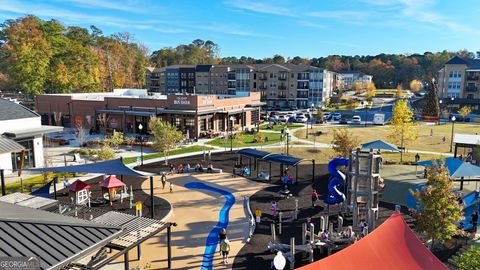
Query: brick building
[(125, 109)]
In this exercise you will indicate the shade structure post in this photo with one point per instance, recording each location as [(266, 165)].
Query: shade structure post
[(269, 171), (296, 173), (55, 187), (126, 261), (2, 179), (152, 208), (313, 171), (169, 246)]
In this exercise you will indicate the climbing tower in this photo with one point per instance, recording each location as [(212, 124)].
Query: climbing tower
[(364, 184)]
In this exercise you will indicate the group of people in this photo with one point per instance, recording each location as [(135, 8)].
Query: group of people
[(187, 168), (164, 182)]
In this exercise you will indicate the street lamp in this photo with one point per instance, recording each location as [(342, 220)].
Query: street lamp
[(366, 112), (439, 111), (140, 127), (453, 126), (232, 119), (287, 133)]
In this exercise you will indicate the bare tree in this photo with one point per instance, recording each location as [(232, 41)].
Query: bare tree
[(80, 133)]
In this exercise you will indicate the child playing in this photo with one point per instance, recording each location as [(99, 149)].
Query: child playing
[(224, 249)]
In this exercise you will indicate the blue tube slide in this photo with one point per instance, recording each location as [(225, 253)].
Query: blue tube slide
[(338, 178), (212, 238)]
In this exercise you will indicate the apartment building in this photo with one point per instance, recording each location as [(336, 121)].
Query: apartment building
[(348, 77), (280, 85), (458, 83)]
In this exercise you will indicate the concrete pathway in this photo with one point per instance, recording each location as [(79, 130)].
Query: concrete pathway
[(197, 212)]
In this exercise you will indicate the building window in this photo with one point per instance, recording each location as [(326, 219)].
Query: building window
[(178, 121), (190, 122)]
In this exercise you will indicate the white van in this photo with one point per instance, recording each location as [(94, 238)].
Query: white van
[(379, 119)]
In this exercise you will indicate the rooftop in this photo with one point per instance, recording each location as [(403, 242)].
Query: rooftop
[(10, 111)]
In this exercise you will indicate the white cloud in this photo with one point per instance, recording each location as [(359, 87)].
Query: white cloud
[(105, 4), (311, 24), (346, 15), (274, 7)]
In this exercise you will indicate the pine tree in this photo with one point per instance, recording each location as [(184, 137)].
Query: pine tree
[(431, 108)]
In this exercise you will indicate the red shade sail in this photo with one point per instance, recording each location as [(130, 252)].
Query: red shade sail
[(78, 185), (393, 245), (111, 182)]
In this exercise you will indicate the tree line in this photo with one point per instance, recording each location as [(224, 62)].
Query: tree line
[(38, 56)]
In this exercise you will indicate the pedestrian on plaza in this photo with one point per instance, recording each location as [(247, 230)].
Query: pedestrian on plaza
[(171, 187), (314, 197), (66, 184), (274, 209), (172, 168), (417, 158), (224, 249), (475, 219), (164, 180)]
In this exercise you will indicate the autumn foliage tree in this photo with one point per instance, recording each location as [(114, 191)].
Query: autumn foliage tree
[(403, 129), (465, 111), (415, 86), (438, 210), (344, 142), (165, 136)]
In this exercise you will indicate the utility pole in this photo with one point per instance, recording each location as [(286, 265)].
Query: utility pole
[(401, 147)]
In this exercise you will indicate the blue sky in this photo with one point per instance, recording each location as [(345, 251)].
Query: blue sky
[(258, 28)]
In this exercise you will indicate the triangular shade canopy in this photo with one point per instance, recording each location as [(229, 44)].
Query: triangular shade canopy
[(114, 166), (78, 185), (382, 145), (392, 246), (43, 191), (111, 182), (456, 167)]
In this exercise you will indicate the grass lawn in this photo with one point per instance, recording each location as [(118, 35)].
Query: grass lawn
[(424, 142), (280, 127), (323, 155), (248, 140), (190, 149), (344, 107), (36, 182)]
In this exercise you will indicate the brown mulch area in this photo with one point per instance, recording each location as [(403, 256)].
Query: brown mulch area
[(162, 207)]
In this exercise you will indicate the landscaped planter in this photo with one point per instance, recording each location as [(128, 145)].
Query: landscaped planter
[(430, 118)]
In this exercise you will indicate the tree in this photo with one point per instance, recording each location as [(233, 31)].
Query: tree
[(371, 91), (344, 142), (115, 139), (431, 108), (319, 115), (357, 87), (238, 139), (106, 152), (469, 260), (27, 54), (403, 129), (415, 86), (438, 210), (465, 111), (165, 136), (258, 138), (80, 133), (399, 91)]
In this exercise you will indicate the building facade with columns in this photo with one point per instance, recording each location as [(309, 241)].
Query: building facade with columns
[(125, 109)]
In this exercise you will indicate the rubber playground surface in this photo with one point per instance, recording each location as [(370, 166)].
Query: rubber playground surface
[(201, 205)]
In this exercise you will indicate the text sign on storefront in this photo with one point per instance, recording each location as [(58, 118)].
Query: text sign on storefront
[(181, 101), (207, 101)]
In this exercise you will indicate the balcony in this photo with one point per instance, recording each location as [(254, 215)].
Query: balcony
[(472, 78), (282, 87), (301, 95), (471, 88), (281, 96), (231, 77), (262, 78), (282, 78), (262, 87)]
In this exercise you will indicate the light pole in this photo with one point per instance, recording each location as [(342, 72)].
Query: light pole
[(232, 119), (439, 111), (141, 143), (453, 126), (366, 112), (401, 147), (287, 133)]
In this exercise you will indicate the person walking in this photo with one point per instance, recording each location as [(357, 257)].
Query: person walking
[(172, 168), (171, 187), (225, 249), (314, 197), (164, 180)]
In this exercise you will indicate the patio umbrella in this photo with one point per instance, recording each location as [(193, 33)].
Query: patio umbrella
[(381, 145), (457, 168)]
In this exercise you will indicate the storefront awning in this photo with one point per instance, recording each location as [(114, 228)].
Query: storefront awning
[(9, 146), (246, 109), (129, 112), (31, 132)]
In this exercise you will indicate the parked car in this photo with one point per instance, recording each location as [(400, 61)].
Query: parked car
[(283, 118), (379, 119), (343, 121), (337, 116), (274, 118), (356, 119), (301, 119), (327, 115)]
